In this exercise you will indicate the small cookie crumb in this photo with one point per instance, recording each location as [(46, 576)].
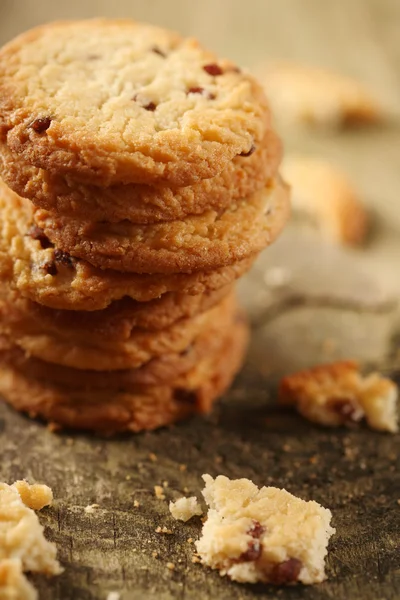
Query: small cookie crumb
[(182, 467), (91, 508), (35, 496), (185, 508), (154, 554), (114, 596), (338, 394), (136, 504), (170, 566), (153, 457), (196, 559), (163, 530), (158, 490)]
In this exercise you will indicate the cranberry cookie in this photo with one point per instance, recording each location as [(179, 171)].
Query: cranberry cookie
[(116, 101)]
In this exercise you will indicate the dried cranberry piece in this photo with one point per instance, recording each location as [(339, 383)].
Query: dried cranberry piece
[(287, 571), (186, 396), (149, 106), (63, 258), (253, 552), (213, 69), (256, 530), (202, 91), (50, 268), (250, 152), (36, 233), (346, 408), (158, 51), (40, 125)]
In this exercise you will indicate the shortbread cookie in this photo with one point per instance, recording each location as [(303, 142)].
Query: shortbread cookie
[(13, 583), (142, 203), (112, 410), (303, 94), (53, 278), (108, 355), (21, 535), (115, 101), (208, 241), (265, 534), (338, 394), (323, 193)]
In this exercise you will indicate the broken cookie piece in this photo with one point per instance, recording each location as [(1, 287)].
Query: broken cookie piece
[(323, 193), (35, 496), (264, 535), (185, 508), (301, 94), (13, 583), (338, 394), (21, 535)]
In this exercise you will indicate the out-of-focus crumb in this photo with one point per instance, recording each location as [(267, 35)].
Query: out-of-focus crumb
[(164, 530), (300, 94), (170, 566), (323, 193), (153, 457), (165, 484), (196, 559), (158, 490), (190, 540), (154, 554), (338, 394), (136, 504), (182, 467), (113, 596), (185, 508), (91, 508), (34, 496)]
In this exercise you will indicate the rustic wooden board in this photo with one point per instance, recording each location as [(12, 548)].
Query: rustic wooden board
[(324, 303)]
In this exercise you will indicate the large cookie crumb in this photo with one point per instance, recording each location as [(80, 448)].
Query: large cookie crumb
[(263, 535), (338, 394), (185, 508)]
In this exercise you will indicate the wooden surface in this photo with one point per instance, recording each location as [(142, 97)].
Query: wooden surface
[(320, 303)]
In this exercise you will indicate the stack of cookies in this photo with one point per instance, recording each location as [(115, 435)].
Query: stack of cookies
[(139, 182)]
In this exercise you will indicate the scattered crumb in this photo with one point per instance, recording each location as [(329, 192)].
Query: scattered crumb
[(163, 530), (182, 467), (186, 490), (153, 457), (158, 490), (338, 394), (154, 554), (13, 583), (128, 477), (196, 559), (34, 496), (136, 504), (170, 566), (113, 596), (23, 546), (165, 484), (91, 508), (185, 508), (301, 94), (190, 540), (323, 193), (265, 534)]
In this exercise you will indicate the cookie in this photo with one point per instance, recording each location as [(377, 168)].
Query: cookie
[(112, 410), (324, 194), (208, 241), (142, 203), (54, 278), (263, 534), (109, 355), (14, 585), (116, 101), (307, 95), (338, 394)]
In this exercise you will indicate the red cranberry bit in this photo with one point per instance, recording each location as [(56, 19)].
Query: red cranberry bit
[(250, 152), (36, 233), (50, 268), (286, 572), (157, 50), (202, 91), (253, 552), (63, 258), (256, 530), (41, 125), (213, 69), (185, 396), (150, 106), (346, 408)]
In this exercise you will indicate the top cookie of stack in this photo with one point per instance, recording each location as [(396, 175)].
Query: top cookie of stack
[(141, 151)]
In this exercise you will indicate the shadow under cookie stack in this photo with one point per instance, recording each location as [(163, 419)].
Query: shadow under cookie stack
[(139, 182)]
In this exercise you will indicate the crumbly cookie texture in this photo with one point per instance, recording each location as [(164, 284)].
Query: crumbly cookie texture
[(185, 508), (35, 496), (137, 203), (52, 277), (13, 583), (119, 402), (338, 394), (313, 96), (208, 241), (264, 535), (156, 107), (323, 193), (21, 534)]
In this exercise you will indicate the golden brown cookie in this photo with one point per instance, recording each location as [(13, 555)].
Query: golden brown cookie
[(53, 278), (207, 241), (110, 355), (116, 101), (142, 203), (116, 409)]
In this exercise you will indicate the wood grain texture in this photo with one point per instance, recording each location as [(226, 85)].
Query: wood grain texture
[(309, 302)]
